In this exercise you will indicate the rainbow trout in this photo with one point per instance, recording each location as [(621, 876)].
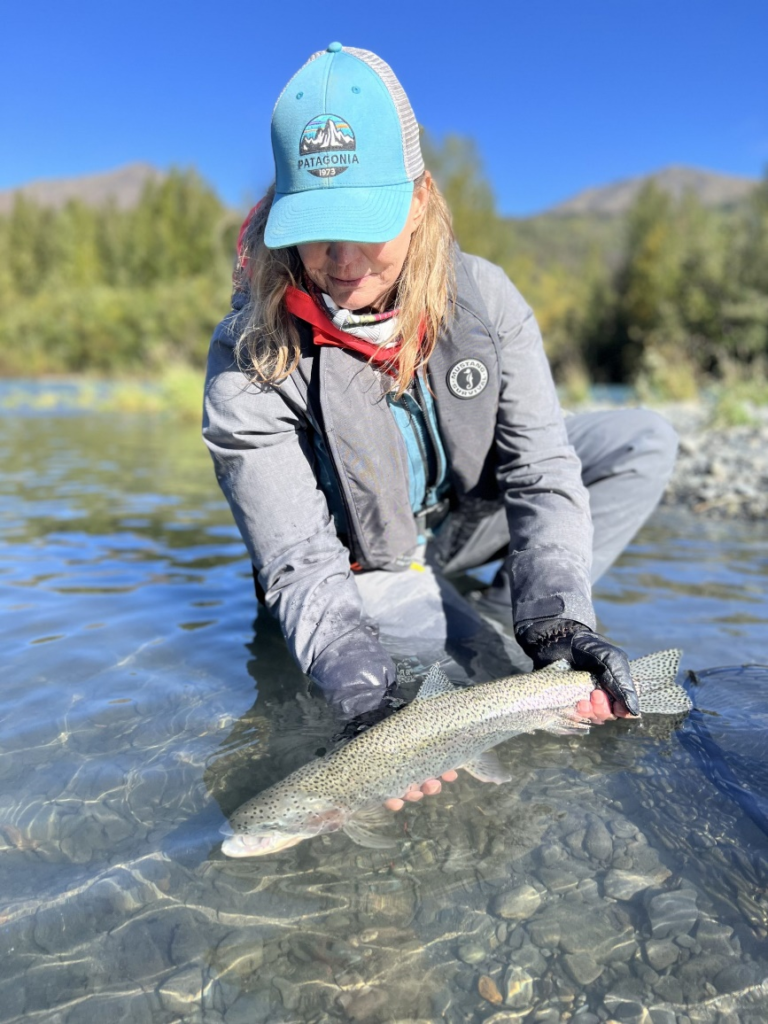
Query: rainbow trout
[(444, 728)]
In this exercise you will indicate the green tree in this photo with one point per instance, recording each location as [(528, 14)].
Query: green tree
[(745, 306), (28, 252), (175, 231), (74, 253), (458, 171)]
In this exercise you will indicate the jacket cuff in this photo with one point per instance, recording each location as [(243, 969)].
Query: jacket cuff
[(355, 673), (547, 584)]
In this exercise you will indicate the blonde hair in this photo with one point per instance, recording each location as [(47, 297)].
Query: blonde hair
[(268, 348)]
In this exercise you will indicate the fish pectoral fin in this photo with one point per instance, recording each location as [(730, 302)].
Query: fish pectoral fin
[(360, 827), (567, 722), (487, 768)]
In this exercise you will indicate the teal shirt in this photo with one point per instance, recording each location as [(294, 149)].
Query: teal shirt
[(428, 479), (414, 414)]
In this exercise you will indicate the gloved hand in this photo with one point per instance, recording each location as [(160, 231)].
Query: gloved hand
[(355, 673), (547, 640)]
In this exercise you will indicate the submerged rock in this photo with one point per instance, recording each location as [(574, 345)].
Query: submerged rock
[(661, 953), (182, 992), (623, 885), (518, 989), (738, 976), (597, 841), (518, 904), (472, 952), (489, 990), (582, 968), (672, 913)]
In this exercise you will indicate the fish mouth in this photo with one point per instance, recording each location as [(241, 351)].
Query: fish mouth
[(242, 845)]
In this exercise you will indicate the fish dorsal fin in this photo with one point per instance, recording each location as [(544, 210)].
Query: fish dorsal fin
[(359, 828), (435, 684), (487, 768), (561, 665)]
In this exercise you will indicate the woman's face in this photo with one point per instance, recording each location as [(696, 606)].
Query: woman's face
[(361, 274)]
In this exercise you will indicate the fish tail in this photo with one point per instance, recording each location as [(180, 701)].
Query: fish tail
[(655, 679)]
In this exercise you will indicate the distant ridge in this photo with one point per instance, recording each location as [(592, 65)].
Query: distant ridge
[(711, 188), (123, 186)]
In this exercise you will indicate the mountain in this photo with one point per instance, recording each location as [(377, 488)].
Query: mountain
[(327, 137), (123, 186), (712, 189)]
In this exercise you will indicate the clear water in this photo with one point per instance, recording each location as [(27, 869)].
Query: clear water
[(621, 875)]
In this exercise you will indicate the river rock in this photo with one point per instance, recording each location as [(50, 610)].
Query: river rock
[(471, 951), (606, 937), (714, 937), (738, 976), (516, 937), (622, 828), (544, 931), (290, 993), (597, 841), (575, 840), (365, 1003), (672, 913), (550, 854), (489, 990), (517, 989), (696, 975), (558, 881), (182, 992), (645, 861), (518, 904), (545, 1015), (503, 1017), (530, 959), (661, 953), (582, 968), (669, 989), (660, 1015), (630, 1013), (623, 885)]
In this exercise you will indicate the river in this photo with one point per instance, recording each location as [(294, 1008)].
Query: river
[(622, 875)]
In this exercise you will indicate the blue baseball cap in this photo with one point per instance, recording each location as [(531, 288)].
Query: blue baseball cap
[(347, 152)]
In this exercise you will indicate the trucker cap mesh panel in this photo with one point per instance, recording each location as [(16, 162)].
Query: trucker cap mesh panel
[(414, 162)]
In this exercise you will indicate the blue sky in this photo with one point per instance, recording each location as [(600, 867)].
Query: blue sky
[(559, 95)]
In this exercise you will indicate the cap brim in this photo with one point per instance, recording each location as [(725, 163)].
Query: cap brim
[(338, 215)]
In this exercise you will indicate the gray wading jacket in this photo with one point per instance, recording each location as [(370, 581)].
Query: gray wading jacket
[(508, 438)]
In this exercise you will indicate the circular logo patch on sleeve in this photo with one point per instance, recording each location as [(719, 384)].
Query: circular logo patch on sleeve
[(467, 378)]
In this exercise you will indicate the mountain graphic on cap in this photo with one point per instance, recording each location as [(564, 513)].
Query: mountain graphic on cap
[(330, 136)]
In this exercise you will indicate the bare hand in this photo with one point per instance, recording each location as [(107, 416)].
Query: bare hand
[(414, 793), (598, 708)]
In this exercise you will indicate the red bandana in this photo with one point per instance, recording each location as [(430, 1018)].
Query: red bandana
[(303, 306)]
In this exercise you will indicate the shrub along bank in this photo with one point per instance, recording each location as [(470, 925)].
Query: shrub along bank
[(669, 298)]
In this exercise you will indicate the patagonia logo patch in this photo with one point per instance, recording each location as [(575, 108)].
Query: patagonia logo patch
[(327, 146), (467, 378)]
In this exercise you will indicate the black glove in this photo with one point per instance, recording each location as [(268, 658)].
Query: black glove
[(548, 640), (355, 673)]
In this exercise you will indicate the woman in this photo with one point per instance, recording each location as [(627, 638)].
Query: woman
[(373, 386)]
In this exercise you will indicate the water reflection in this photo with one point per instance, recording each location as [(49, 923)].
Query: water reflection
[(615, 877)]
